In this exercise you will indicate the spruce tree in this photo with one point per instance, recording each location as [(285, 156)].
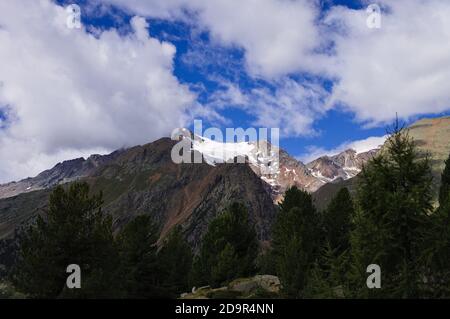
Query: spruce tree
[(328, 277), (444, 190), (438, 248), (225, 266), (338, 221), (141, 272), (175, 258), (394, 200), (296, 238), (74, 231), (228, 249)]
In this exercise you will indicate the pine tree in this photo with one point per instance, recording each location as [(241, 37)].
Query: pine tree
[(296, 237), (438, 249), (228, 250), (175, 258), (338, 221), (328, 277), (74, 231), (394, 200), (140, 269), (444, 191), (225, 267), (266, 262)]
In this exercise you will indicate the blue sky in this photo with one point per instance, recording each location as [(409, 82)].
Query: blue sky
[(334, 128), (297, 65)]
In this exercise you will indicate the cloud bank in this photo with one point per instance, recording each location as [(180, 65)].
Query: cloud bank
[(403, 67), (70, 92), (65, 92)]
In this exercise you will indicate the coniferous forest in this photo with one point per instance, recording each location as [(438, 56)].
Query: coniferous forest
[(387, 239)]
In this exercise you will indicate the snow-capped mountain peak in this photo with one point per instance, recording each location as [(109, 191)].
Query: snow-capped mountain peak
[(277, 168), (262, 156)]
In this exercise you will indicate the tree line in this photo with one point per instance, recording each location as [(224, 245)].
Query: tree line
[(76, 231), (390, 222)]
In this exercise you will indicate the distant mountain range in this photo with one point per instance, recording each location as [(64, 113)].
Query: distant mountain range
[(344, 165), (145, 180), (283, 174)]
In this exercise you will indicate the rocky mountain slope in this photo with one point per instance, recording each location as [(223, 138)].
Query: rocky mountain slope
[(432, 137), (292, 173), (344, 165), (61, 173), (315, 174), (274, 165), (283, 171)]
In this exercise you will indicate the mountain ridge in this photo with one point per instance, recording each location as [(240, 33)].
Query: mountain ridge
[(288, 172), (63, 172)]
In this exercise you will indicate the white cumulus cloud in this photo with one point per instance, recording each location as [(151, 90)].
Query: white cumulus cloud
[(279, 37), (66, 92), (402, 67), (292, 106)]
